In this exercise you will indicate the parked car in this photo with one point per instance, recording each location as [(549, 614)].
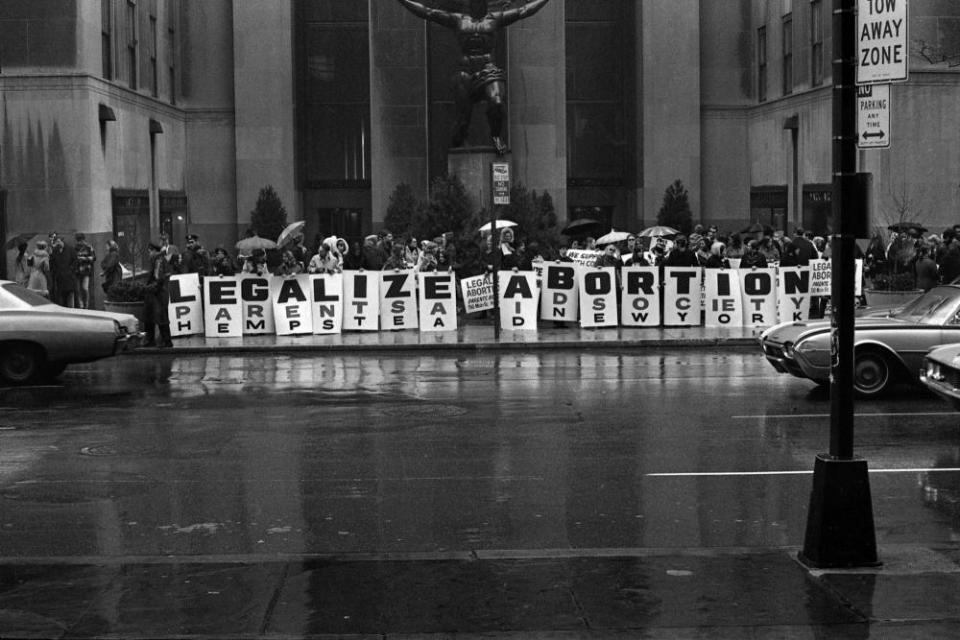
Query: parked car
[(889, 345), (941, 373), (38, 338)]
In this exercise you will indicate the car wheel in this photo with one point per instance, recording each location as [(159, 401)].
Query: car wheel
[(872, 373), (20, 363)]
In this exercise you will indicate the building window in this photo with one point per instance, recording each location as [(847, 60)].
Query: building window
[(152, 53), (816, 42), (334, 92), (762, 64), (106, 37), (599, 42), (131, 27), (788, 54), (171, 49)]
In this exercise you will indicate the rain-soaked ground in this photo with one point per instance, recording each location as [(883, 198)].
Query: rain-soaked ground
[(238, 495)]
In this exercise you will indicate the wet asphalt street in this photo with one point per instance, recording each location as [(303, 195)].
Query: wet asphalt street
[(239, 496)]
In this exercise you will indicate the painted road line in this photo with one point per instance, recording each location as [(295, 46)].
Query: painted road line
[(720, 474), (856, 415)]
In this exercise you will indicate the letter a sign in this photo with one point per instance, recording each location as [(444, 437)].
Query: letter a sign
[(882, 50)]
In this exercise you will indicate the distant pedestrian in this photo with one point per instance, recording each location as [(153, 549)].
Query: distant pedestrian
[(63, 271), (157, 298), (110, 270), (39, 262), (21, 265), (86, 258)]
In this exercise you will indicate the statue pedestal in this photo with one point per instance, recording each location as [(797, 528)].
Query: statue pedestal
[(472, 166)]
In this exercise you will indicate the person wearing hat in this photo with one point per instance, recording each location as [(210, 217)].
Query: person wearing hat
[(373, 258), (194, 258), (156, 298)]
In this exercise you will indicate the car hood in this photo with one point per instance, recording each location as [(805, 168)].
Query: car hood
[(127, 320), (794, 331)]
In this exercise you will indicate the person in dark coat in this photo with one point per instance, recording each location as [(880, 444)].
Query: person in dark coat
[(805, 249), (681, 255), (63, 271), (110, 270), (156, 298), (373, 258), (928, 276), (752, 256)]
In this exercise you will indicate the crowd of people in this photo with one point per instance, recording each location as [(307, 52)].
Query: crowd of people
[(57, 270)]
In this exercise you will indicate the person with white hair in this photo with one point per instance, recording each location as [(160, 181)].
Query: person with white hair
[(717, 259)]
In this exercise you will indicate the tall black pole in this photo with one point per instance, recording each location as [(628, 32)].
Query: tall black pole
[(843, 242), (495, 245), (840, 531)]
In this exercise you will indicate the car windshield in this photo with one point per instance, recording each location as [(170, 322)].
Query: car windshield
[(15, 292), (936, 306)]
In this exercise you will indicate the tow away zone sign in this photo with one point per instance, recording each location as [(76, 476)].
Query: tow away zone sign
[(873, 116), (882, 51)]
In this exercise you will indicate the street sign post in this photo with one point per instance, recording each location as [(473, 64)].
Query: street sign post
[(873, 116), (882, 50)]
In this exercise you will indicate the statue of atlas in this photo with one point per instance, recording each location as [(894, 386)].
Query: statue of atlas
[(479, 78)]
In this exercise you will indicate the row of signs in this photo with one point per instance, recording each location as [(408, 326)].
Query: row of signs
[(235, 306)]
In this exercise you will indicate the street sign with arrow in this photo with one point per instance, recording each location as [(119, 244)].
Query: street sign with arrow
[(873, 116)]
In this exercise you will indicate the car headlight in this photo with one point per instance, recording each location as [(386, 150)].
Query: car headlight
[(934, 372), (788, 349)]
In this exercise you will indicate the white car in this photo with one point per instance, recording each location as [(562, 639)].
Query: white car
[(38, 338)]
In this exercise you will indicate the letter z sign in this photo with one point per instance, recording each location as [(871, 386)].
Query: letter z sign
[(882, 51)]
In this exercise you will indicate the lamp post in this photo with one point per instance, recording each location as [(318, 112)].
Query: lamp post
[(840, 530)]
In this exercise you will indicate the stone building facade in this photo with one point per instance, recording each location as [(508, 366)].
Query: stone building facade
[(125, 118)]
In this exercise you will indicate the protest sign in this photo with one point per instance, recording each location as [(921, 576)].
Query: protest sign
[(584, 257), (759, 296), (477, 293), (518, 300), (398, 300), (793, 294), (724, 306), (438, 301), (361, 300), (223, 309), (559, 295), (598, 296), (681, 296), (326, 303), (291, 305), (257, 305), (186, 305), (640, 298)]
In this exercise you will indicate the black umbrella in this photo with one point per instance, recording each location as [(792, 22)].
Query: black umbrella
[(906, 227), (581, 226)]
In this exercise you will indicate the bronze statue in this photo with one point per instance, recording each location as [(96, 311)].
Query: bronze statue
[(479, 78)]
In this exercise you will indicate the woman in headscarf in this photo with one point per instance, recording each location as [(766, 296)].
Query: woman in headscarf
[(39, 262)]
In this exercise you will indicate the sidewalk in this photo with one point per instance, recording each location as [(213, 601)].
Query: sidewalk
[(476, 336)]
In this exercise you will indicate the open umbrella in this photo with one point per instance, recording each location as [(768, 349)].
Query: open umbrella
[(658, 231), (907, 227), (501, 224), (247, 245), (581, 226), (290, 232), (613, 236)]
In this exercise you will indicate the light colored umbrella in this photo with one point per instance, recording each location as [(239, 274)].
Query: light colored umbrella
[(255, 242), (290, 232), (501, 224), (613, 236), (658, 231)]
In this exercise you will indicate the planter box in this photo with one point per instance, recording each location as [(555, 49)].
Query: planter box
[(887, 298), (133, 308)]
